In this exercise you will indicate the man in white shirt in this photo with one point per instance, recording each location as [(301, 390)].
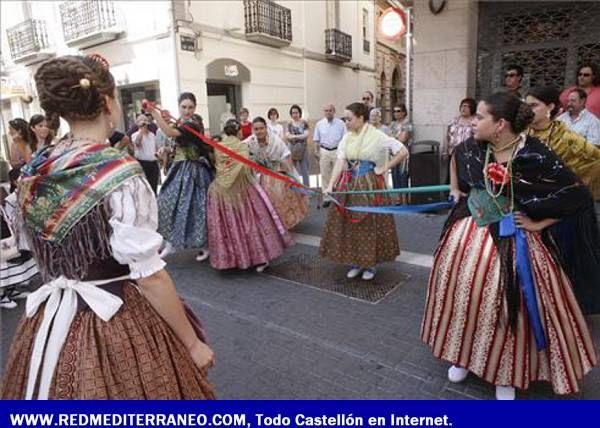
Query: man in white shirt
[(145, 147), (579, 119), (328, 134)]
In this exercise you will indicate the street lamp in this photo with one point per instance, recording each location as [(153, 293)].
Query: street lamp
[(394, 23)]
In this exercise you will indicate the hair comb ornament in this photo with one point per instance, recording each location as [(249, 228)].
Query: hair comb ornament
[(100, 60), (84, 83)]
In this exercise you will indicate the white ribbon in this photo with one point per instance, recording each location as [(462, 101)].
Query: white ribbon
[(61, 308)]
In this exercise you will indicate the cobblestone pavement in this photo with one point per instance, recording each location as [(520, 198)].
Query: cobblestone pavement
[(277, 339)]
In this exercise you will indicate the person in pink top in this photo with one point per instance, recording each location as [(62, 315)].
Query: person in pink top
[(588, 79)]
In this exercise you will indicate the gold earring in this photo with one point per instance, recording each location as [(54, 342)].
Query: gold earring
[(548, 115)]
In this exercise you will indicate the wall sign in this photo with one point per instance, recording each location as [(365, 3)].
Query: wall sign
[(188, 43), (231, 70)]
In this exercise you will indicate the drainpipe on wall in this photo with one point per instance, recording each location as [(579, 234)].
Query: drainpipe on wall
[(408, 72), (175, 51)]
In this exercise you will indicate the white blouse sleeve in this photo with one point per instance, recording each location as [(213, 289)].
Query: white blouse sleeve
[(394, 145), (16, 221), (341, 149), (134, 220)]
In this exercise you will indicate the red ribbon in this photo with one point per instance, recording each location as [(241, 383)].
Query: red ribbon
[(147, 105)]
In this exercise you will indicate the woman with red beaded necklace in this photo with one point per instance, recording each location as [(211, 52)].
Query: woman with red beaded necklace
[(499, 305)]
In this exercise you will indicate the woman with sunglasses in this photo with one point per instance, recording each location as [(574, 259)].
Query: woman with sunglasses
[(401, 129)]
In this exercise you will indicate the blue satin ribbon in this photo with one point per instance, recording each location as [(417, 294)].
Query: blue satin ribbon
[(525, 276), (398, 209), (361, 168)]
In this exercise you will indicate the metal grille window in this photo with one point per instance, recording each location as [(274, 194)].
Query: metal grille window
[(28, 37), (548, 39), (338, 44), (268, 18), (82, 18)]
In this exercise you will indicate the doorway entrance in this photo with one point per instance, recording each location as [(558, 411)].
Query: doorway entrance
[(224, 79), (224, 101)]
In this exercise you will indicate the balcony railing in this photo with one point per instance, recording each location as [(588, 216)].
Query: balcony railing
[(268, 23), (28, 41), (338, 45), (89, 22)]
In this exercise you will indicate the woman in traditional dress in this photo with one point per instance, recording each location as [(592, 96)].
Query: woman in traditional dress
[(270, 151), (583, 158), (499, 303), (182, 197), (108, 322), (356, 239), (573, 150), (244, 228)]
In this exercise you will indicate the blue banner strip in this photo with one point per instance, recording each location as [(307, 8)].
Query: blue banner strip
[(258, 414)]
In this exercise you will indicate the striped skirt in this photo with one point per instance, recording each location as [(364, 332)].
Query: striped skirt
[(465, 321)]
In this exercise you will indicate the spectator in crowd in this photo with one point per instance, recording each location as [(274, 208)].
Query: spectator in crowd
[(274, 126), (245, 123), (297, 136), (579, 119), (40, 131), (513, 79), (23, 142), (134, 127), (459, 130), (368, 100), (328, 134), (401, 129), (145, 148), (588, 79), (376, 120), (461, 127)]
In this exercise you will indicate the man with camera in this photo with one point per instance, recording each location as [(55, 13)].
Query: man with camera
[(145, 148)]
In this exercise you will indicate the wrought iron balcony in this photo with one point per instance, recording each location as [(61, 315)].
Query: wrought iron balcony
[(89, 22), (28, 42), (268, 23), (338, 45)]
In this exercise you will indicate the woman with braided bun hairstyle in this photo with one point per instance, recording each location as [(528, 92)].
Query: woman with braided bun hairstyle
[(500, 303), (244, 229), (107, 323), (182, 198)]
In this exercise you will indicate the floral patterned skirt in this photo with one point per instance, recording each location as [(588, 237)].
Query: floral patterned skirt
[(291, 205), (182, 204), (360, 239), (244, 231)]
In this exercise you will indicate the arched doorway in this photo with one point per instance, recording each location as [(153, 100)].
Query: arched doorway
[(396, 91), (224, 79)]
